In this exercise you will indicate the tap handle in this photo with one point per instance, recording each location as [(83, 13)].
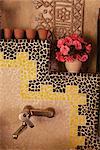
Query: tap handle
[(20, 130), (25, 117)]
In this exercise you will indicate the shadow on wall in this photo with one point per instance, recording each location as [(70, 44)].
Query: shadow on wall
[(92, 59), (4, 125), (16, 13), (8, 123), (10, 11)]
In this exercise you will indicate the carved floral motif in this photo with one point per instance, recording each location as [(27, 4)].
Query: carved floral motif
[(62, 16)]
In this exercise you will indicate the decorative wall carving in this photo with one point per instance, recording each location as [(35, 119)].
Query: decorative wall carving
[(62, 16)]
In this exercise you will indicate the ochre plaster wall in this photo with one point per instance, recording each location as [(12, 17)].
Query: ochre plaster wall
[(90, 26), (17, 13), (20, 13)]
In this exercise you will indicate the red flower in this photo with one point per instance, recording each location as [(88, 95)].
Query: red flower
[(74, 36), (69, 58), (68, 41), (64, 50), (78, 57), (84, 58), (81, 40), (60, 43), (77, 45), (73, 47), (59, 57), (88, 48)]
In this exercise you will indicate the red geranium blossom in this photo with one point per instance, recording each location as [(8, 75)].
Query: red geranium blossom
[(73, 47)]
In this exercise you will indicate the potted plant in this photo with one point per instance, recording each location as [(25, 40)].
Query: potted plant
[(18, 33), (73, 50), (8, 33), (30, 33), (42, 34)]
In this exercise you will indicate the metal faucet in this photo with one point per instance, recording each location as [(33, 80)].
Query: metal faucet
[(29, 111)]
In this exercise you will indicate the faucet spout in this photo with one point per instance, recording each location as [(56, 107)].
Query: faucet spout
[(28, 112), (20, 130)]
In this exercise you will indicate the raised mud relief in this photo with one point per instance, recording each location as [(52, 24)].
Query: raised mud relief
[(61, 16)]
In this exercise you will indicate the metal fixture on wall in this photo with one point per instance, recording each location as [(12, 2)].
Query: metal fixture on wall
[(29, 111)]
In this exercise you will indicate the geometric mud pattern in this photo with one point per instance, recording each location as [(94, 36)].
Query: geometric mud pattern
[(61, 16), (32, 59)]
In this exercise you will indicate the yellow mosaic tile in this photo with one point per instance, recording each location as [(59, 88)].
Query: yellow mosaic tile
[(75, 99), (28, 72), (26, 67)]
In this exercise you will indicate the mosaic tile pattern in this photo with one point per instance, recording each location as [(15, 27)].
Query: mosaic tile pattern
[(62, 16), (37, 82)]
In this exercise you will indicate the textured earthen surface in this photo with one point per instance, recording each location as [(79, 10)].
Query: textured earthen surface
[(25, 79)]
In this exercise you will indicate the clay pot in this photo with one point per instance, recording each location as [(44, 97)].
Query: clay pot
[(8, 33), (30, 33), (73, 67), (42, 34), (19, 33)]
